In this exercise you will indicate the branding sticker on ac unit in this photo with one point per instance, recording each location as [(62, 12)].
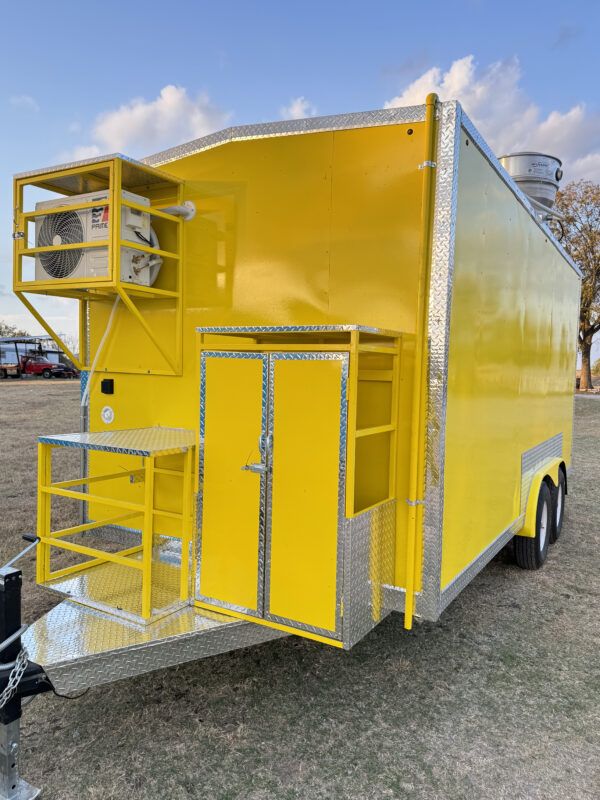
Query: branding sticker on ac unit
[(100, 217)]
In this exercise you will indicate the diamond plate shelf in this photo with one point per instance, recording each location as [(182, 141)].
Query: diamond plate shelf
[(155, 441)]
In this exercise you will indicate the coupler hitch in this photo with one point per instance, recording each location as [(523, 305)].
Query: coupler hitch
[(19, 678)]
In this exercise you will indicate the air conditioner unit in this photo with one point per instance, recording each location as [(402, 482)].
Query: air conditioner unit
[(91, 225)]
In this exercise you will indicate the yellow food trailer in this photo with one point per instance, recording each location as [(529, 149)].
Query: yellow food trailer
[(327, 374)]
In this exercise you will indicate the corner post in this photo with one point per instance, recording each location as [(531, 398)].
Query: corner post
[(43, 520), (186, 524), (148, 537), (416, 499)]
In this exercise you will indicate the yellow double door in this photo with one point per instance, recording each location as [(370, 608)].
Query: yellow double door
[(272, 469)]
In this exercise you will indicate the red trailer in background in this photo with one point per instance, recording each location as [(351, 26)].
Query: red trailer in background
[(15, 364)]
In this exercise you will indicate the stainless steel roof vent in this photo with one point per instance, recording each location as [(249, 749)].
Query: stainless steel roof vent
[(537, 175)]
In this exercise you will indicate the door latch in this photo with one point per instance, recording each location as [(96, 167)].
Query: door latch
[(259, 469)]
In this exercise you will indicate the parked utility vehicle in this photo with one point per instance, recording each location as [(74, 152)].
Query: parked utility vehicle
[(34, 365)]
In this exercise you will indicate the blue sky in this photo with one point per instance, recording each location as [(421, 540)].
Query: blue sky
[(82, 78)]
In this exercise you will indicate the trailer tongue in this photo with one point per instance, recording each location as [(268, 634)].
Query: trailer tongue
[(73, 648)]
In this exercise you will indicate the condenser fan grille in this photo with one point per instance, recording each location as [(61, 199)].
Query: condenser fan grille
[(62, 228)]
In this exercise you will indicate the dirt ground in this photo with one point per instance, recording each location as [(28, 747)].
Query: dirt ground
[(498, 699)]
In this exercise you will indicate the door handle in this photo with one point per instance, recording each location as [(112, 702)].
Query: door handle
[(259, 469)]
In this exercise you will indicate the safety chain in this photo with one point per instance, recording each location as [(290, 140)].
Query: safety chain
[(15, 677)]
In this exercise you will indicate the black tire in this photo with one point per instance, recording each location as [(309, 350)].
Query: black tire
[(531, 553), (558, 506), (3, 374), (46, 373)]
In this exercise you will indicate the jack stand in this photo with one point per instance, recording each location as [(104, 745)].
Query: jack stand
[(11, 786), (32, 681)]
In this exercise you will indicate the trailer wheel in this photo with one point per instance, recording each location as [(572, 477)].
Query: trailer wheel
[(558, 507), (3, 374), (47, 373), (530, 553)]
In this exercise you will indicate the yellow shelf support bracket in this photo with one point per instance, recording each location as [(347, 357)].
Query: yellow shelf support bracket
[(50, 331), (134, 310)]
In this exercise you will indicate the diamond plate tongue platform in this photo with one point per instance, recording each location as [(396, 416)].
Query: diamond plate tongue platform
[(80, 647)]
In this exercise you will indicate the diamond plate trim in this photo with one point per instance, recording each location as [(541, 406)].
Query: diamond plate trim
[(84, 375), (244, 329), (79, 647), (84, 424), (455, 587), (440, 303), (338, 122), (369, 550), (135, 441), (344, 358), (534, 459), (74, 164), (484, 148), (254, 612)]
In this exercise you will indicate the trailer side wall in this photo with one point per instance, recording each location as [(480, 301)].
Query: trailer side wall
[(319, 228), (511, 365)]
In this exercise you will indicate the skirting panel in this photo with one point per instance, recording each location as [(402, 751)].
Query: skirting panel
[(369, 552)]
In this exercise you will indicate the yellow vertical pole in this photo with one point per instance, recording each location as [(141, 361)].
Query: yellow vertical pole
[(83, 354), (394, 419), (351, 439), (114, 233), (147, 537), (44, 510), (19, 225), (179, 289), (417, 442), (186, 523)]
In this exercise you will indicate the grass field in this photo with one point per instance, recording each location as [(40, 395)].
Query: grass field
[(498, 699)]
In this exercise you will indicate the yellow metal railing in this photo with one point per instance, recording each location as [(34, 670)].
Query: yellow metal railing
[(139, 557), (103, 176)]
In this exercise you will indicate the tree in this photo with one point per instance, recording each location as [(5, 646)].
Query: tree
[(11, 330), (596, 368), (580, 204)]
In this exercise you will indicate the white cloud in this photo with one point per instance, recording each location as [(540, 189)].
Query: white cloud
[(507, 117), (299, 108), (83, 152), (139, 127), (24, 101)]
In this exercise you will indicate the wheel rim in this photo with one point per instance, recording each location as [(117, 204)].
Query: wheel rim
[(543, 526), (559, 505)]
